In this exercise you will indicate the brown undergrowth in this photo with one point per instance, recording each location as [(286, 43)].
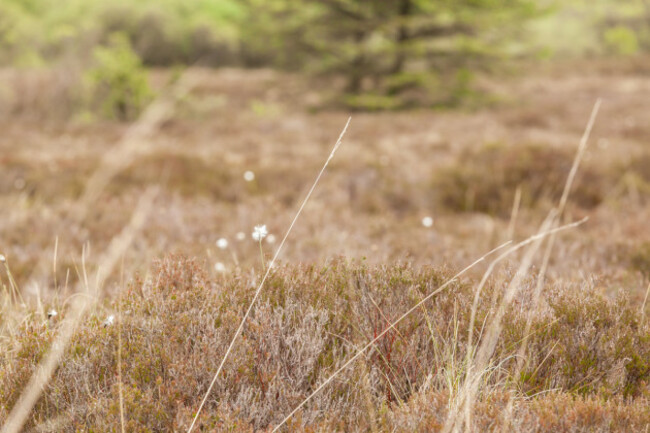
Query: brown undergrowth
[(586, 368)]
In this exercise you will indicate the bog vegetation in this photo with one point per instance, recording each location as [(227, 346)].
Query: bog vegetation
[(154, 154), (589, 350)]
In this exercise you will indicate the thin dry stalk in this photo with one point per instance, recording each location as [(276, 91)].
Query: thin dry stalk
[(266, 274), (119, 349), (510, 232), (476, 370), (455, 421), (55, 255), (79, 306), (521, 355), (15, 290), (645, 299), (371, 343)]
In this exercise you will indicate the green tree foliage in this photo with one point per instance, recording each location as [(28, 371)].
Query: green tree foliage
[(118, 81), (416, 49), (162, 32)]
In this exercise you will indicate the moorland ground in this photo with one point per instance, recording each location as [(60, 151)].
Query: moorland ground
[(357, 259)]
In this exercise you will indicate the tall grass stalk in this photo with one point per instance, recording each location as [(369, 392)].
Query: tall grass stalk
[(510, 232), (454, 422), (371, 343), (119, 350), (582, 146), (266, 274), (645, 300), (477, 367)]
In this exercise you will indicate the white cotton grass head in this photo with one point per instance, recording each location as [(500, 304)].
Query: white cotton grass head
[(222, 243), (52, 314), (249, 176), (3, 259), (270, 239), (109, 320), (219, 267), (260, 232), (427, 221), (240, 236)]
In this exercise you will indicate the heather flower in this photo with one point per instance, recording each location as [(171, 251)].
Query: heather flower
[(222, 243), (260, 232)]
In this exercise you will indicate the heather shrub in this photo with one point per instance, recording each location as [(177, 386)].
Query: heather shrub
[(548, 413), (639, 257), (379, 189), (585, 343), (485, 180), (176, 325), (186, 174), (37, 177)]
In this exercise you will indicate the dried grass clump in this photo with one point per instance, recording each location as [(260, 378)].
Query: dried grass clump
[(175, 326), (486, 180)]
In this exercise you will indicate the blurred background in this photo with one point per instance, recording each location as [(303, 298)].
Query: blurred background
[(378, 54), (466, 115)]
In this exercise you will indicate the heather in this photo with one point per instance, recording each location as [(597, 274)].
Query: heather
[(324, 215), (175, 324)]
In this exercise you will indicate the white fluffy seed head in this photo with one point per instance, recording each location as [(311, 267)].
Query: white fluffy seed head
[(52, 313), (427, 221), (2, 258), (259, 232), (222, 243), (270, 239), (241, 236), (249, 176), (219, 267), (109, 320)]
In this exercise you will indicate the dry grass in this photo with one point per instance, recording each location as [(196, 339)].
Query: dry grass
[(585, 366), (177, 324)]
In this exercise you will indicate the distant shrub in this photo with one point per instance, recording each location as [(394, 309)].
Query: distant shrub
[(485, 180), (186, 174), (621, 40), (161, 38), (118, 81), (640, 258), (640, 166)]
